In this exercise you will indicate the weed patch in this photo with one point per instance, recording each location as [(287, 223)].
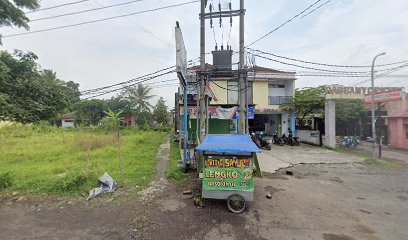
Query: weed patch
[(381, 163), (175, 173), (69, 161), (6, 180)]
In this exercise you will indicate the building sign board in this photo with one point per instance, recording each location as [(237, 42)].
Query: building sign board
[(217, 112), (181, 56), (359, 90), (233, 174), (358, 93), (384, 96)]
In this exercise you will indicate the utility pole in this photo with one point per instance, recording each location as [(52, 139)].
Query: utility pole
[(242, 87), (374, 137), (202, 84), (241, 74), (379, 131)]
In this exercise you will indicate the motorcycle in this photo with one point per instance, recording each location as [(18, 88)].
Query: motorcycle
[(285, 139), (277, 140), (260, 142), (293, 141), (349, 142)]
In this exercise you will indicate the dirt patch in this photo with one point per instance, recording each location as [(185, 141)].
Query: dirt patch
[(364, 229), (365, 211), (171, 205), (402, 198), (271, 190), (330, 236), (163, 155)]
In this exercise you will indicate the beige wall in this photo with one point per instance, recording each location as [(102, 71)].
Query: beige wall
[(260, 94), (220, 93)]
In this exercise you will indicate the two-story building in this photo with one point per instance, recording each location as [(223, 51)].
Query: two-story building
[(267, 90)]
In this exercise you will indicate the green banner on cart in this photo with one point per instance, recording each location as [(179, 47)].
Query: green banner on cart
[(239, 179)]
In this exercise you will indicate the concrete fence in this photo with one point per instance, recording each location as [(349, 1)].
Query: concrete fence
[(309, 136)]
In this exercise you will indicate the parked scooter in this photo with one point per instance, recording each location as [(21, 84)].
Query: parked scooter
[(285, 139), (260, 141), (277, 140), (293, 141)]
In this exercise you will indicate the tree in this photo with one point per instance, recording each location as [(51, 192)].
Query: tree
[(138, 97), (28, 94), (117, 104), (12, 14), (160, 112), (307, 101), (112, 122), (89, 112), (347, 110)]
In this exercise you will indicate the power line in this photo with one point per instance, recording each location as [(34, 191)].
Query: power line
[(99, 20), (169, 82), (283, 24), (311, 68), (144, 28), (321, 5), (85, 11), (128, 81), (325, 64), (383, 74), (57, 6), (124, 87)]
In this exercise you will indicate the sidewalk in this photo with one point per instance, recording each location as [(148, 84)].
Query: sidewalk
[(286, 156)]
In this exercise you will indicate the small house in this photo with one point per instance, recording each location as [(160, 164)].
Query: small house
[(68, 120)]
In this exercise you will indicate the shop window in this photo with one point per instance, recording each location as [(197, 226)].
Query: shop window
[(406, 131), (276, 86)]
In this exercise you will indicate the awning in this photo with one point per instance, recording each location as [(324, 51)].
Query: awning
[(228, 143)]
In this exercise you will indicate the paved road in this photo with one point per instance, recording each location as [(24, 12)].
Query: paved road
[(286, 156), (340, 198)]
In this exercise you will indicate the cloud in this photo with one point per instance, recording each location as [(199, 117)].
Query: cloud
[(94, 55)]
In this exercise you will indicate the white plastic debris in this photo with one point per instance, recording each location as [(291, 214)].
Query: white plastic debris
[(107, 185)]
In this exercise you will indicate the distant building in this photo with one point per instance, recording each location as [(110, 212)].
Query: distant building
[(397, 116), (68, 120), (130, 120), (267, 90)]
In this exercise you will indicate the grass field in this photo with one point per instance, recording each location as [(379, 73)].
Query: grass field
[(69, 161), (175, 173)]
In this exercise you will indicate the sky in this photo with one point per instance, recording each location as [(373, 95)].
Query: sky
[(342, 32)]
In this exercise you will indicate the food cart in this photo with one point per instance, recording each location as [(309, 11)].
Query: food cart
[(226, 164)]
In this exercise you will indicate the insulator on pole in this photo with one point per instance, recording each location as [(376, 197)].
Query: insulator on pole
[(219, 6), (230, 6), (211, 22), (211, 7), (220, 22)]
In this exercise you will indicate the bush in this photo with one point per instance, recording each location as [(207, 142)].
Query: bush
[(6, 180), (73, 182), (42, 126), (175, 173)]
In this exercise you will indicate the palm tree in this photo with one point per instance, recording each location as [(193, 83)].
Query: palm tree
[(138, 97)]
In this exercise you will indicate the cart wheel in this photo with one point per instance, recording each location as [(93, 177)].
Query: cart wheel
[(236, 204)]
